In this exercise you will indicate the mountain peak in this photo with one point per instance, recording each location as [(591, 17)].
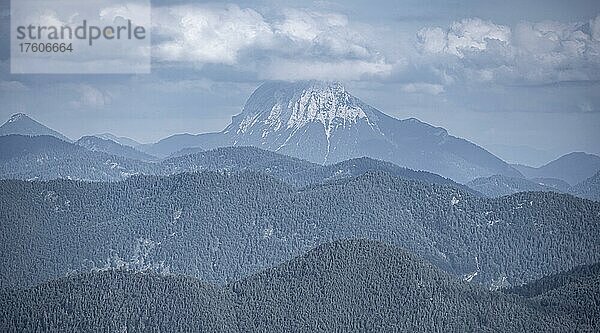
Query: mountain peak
[(22, 124), (17, 117), (322, 122), (277, 105)]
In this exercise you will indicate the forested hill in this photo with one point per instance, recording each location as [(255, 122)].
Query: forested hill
[(575, 294), (47, 157), (365, 286), (344, 286), (118, 301), (223, 226), (292, 170), (94, 159)]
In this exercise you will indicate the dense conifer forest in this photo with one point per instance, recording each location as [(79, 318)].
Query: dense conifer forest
[(221, 227), (351, 285)]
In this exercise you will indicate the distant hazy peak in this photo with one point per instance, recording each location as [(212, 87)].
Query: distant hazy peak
[(118, 139), (17, 117), (580, 154), (22, 124), (291, 105)]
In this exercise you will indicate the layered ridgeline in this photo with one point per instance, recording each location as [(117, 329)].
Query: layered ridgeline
[(47, 158), (575, 294), (223, 226), (323, 123), (293, 171), (119, 139), (344, 286), (572, 168), (589, 188), (496, 186), (112, 147), (575, 173)]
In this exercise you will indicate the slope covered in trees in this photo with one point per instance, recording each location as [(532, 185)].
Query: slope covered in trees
[(111, 147), (344, 286), (22, 124), (292, 170), (589, 188), (46, 158), (497, 186), (223, 226), (575, 294), (118, 301), (573, 168)]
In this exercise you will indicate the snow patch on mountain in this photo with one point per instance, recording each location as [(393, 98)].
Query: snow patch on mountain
[(16, 117), (326, 103)]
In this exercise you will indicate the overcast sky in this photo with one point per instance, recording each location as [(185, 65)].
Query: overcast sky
[(500, 73)]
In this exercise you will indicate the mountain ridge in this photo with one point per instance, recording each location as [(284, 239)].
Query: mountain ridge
[(573, 168), (323, 123), (346, 285), (241, 222), (112, 147), (22, 124)]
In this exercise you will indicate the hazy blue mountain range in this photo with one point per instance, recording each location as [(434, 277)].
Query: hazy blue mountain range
[(323, 123), (496, 186), (119, 139), (292, 170), (558, 184), (255, 228), (223, 226), (522, 154), (105, 160), (341, 286), (21, 124), (111, 147), (47, 157), (185, 151), (572, 168), (589, 188)]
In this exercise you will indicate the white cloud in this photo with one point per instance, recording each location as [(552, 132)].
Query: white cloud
[(138, 13), (205, 34), (433, 40), (595, 28), (301, 43), (12, 86), (463, 36), (530, 52), (423, 88), (320, 33), (90, 97), (305, 25)]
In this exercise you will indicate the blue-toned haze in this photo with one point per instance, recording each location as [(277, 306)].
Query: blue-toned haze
[(519, 78)]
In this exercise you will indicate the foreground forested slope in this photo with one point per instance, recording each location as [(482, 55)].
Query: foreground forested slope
[(221, 227), (350, 286)]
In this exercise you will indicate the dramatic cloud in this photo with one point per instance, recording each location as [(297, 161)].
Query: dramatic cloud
[(205, 34), (321, 34), (536, 53), (464, 36), (306, 44)]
